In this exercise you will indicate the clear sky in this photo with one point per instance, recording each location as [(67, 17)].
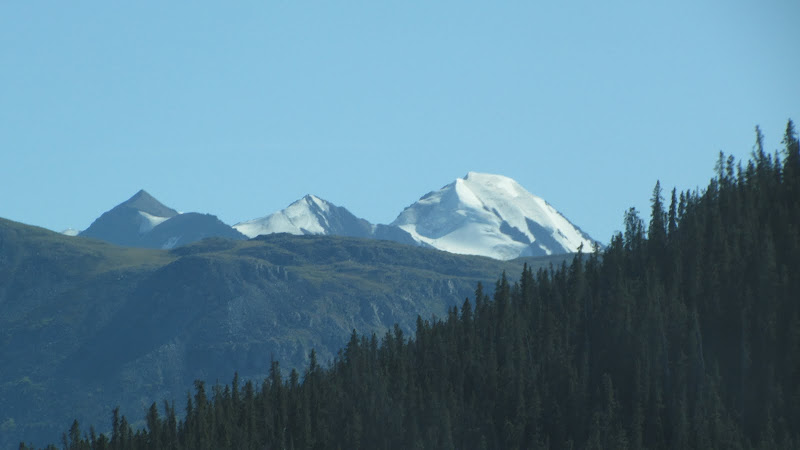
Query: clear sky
[(240, 108)]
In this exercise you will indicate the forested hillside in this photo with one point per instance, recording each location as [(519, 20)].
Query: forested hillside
[(86, 326), (683, 333)]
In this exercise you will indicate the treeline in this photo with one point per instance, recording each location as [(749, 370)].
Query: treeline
[(683, 333)]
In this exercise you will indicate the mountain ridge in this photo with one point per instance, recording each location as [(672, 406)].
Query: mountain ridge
[(312, 215), (478, 214)]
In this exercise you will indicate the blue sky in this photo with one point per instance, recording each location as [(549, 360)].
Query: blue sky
[(239, 108)]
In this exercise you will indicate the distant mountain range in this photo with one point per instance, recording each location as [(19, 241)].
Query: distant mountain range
[(86, 325), (480, 214)]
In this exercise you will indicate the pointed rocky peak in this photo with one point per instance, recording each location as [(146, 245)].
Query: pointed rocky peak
[(146, 203), (143, 221), (127, 222), (313, 203)]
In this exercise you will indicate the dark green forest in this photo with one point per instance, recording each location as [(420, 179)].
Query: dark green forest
[(684, 332)]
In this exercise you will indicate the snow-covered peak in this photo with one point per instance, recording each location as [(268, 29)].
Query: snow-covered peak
[(313, 215), (490, 215), (309, 215)]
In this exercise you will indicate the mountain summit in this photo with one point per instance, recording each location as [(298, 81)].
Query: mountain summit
[(490, 215), (312, 215), (143, 221), (125, 223), (309, 215), (146, 203)]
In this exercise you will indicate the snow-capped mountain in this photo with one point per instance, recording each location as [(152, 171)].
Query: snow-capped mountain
[(490, 215), (309, 215), (480, 214), (313, 215), (143, 221)]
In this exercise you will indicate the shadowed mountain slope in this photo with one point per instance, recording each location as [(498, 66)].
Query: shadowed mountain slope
[(86, 326), (143, 221)]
